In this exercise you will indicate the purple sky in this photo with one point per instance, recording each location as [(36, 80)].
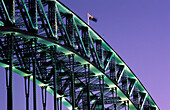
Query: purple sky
[(138, 30)]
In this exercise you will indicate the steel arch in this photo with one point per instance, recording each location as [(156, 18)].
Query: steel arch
[(46, 42)]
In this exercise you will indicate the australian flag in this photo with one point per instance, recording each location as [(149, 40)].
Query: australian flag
[(92, 18)]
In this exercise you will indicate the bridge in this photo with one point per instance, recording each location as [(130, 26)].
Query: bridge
[(47, 43)]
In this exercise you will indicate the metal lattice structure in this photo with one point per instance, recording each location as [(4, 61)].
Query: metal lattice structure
[(47, 43)]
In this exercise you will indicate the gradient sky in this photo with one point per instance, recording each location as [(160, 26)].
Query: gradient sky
[(139, 31)]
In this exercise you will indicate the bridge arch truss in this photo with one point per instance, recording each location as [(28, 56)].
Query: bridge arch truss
[(47, 43)]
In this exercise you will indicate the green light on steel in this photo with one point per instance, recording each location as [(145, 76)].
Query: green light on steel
[(91, 40), (108, 62), (6, 12), (112, 86), (121, 74), (79, 37), (143, 101), (1, 23), (43, 85), (25, 8), (118, 60), (63, 24), (46, 17), (93, 100), (132, 88)]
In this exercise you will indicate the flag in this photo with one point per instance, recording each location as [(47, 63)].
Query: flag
[(92, 18)]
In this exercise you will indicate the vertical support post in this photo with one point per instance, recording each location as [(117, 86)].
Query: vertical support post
[(72, 81), (61, 103), (101, 84), (9, 75), (103, 108), (44, 96), (99, 51), (88, 88), (54, 76), (27, 90), (112, 69), (34, 75), (128, 104), (86, 40), (116, 98), (125, 104), (55, 88), (87, 72), (112, 89), (13, 16), (58, 104)]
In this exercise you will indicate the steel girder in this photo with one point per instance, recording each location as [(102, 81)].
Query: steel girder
[(47, 43)]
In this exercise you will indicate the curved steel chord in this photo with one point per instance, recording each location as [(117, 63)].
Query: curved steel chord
[(60, 52)]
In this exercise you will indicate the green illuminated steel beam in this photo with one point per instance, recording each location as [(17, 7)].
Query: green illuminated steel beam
[(39, 83), (120, 73), (27, 14), (131, 88), (44, 14), (82, 60), (69, 42), (6, 12), (92, 43), (108, 62), (144, 98), (80, 37)]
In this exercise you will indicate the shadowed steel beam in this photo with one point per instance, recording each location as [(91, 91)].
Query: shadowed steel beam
[(34, 75), (81, 41), (101, 83), (27, 14), (13, 13), (6, 11), (44, 14), (33, 12), (128, 104), (87, 72), (44, 97), (9, 74), (67, 36), (72, 80), (88, 87), (97, 57), (79, 58), (115, 106), (52, 16), (61, 103), (27, 90), (54, 75)]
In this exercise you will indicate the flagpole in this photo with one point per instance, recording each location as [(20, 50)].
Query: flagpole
[(88, 18)]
